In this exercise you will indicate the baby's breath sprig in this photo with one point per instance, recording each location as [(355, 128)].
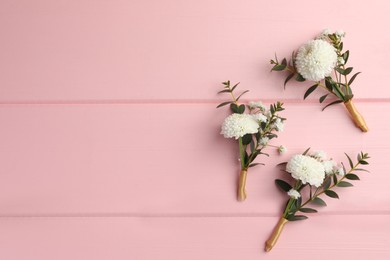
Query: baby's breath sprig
[(253, 130), (313, 176), (323, 61)]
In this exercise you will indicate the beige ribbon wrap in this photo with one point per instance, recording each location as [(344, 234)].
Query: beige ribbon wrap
[(241, 194), (356, 116), (275, 234)]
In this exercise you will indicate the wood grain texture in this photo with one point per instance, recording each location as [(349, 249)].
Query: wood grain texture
[(168, 159), (341, 237), (153, 50)]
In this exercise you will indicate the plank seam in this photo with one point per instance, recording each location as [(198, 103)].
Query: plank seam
[(170, 101)]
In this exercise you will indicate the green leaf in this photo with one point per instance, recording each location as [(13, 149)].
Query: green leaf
[(344, 184), (349, 160), (235, 86), (359, 169), (335, 178), (318, 201), (329, 84), (340, 70), (351, 176), (254, 164), (346, 56), (288, 79), (246, 91), (308, 210), (323, 98), (246, 139), (299, 78), (224, 104), (348, 70), (234, 107), (363, 162), (283, 185), (224, 91), (310, 90), (332, 194), (348, 97), (278, 67), (327, 183), (296, 217), (306, 151), (282, 164), (333, 103), (353, 78), (241, 109)]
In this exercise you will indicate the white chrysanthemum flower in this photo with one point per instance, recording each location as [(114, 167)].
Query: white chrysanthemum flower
[(238, 125), (328, 166), (278, 125), (316, 59), (324, 34), (294, 194), (258, 104), (260, 117), (340, 171), (282, 149), (307, 169), (320, 155), (340, 33), (264, 140)]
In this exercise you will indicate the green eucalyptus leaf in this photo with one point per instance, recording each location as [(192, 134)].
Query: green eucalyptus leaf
[(344, 184), (346, 56), (363, 162), (318, 201), (299, 78), (310, 90), (359, 169), (235, 86), (246, 91), (241, 109), (246, 139), (327, 183), (351, 176), (224, 91), (308, 210), (349, 160), (279, 67), (283, 185), (348, 70), (296, 217), (332, 103), (290, 76), (322, 99), (331, 194), (353, 78), (234, 107), (254, 164), (224, 104)]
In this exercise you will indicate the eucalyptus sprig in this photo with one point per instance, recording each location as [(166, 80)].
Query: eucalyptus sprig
[(324, 62), (313, 177), (253, 130)]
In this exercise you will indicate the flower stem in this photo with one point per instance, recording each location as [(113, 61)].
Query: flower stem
[(270, 243)]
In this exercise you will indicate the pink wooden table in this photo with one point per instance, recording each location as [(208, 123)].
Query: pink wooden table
[(110, 145)]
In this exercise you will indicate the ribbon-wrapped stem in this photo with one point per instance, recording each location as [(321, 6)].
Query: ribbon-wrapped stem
[(356, 116), (275, 234), (241, 195)]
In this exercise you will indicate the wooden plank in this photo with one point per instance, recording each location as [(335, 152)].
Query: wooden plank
[(341, 237), (164, 159), (153, 50)]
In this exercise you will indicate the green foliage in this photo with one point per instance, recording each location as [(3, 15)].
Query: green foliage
[(284, 186)]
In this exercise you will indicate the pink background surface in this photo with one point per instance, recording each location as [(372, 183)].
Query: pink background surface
[(110, 145)]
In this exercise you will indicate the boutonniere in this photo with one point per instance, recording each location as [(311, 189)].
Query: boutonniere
[(324, 62), (252, 126), (312, 176)]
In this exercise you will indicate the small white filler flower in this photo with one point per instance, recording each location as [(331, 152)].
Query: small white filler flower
[(294, 194)]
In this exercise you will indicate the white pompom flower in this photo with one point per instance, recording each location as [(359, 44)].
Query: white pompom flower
[(320, 155), (238, 125), (259, 104), (316, 59), (260, 117), (306, 169), (329, 166), (282, 149), (294, 194)]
